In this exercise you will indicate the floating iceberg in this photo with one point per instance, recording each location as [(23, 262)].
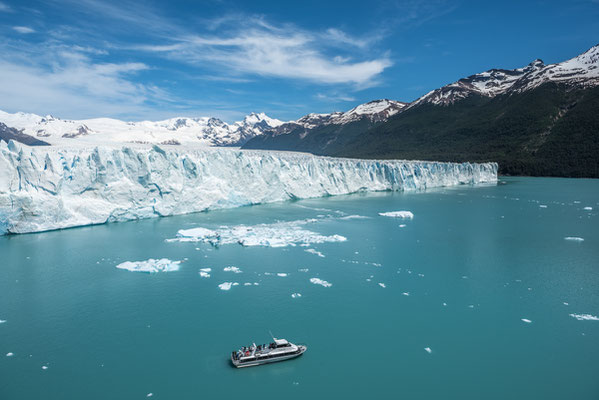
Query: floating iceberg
[(398, 214), (282, 274), (205, 272), (526, 320), (585, 317), (320, 282), (428, 350), (296, 295), (227, 285), (315, 252), (588, 208), (233, 269), (151, 265), (58, 187), (574, 239), (382, 285), (278, 234)]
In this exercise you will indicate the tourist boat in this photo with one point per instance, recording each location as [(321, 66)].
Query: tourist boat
[(279, 350)]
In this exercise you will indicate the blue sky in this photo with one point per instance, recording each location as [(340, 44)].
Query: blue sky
[(158, 59)]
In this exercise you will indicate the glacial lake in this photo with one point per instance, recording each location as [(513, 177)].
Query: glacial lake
[(479, 296)]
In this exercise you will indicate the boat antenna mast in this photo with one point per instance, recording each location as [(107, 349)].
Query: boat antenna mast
[(272, 336)]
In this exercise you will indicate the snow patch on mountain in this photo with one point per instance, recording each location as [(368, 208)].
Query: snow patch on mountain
[(98, 131), (580, 71)]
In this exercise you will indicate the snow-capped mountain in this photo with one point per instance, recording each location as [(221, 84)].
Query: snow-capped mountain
[(375, 111), (581, 71), (205, 131)]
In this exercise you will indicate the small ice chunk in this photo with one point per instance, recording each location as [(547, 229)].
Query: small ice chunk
[(406, 293), (398, 214), (232, 269), (9, 354), (227, 285), (402, 225), (205, 272), (247, 284), (428, 350), (296, 295), (382, 285), (256, 283), (320, 282), (151, 266), (196, 235), (2, 321), (526, 320), (149, 394), (565, 303), (312, 251), (281, 274), (585, 317), (542, 206), (574, 239), (471, 306), (444, 304), (303, 270), (588, 208), (44, 367)]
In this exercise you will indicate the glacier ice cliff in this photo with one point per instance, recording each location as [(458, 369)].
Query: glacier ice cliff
[(59, 187)]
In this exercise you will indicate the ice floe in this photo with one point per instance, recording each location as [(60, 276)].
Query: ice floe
[(9, 354), (232, 269), (542, 206), (585, 317), (151, 265), (526, 320), (278, 234), (318, 281), (354, 217), (149, 394), (402, 225), (382, 285), (428, 350), (588, 208), (574, 239), (205, 272), (296, 295), (406, 293), (315, 252), (2, 321), (281, 274), (303, 270), (398, 214), (44, 367), (227, 285)]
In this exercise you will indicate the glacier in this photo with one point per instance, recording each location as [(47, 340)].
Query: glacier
[(55, 187)]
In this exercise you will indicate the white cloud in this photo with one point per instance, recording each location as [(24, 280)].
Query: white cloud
[(4, 7), (68, 83), (23, 29), (255, 47)]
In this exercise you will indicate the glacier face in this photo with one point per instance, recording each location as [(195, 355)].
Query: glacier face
[(45, 188)]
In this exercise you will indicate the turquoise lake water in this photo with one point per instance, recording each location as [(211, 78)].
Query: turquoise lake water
[(475, 262)]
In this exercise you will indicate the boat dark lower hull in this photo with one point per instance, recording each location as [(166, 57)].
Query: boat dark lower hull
[(238, 364)]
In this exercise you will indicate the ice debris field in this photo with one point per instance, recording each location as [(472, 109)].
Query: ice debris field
[(60, 187)]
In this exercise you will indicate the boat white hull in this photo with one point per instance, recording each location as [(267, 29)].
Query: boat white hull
[(238, 364)]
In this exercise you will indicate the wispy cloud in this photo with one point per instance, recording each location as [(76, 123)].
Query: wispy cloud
[(256, 47), (4, 7), (69, 83), (23, 29), (334, 97)]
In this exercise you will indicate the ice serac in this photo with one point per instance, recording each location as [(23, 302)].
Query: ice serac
[(59, 187)]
